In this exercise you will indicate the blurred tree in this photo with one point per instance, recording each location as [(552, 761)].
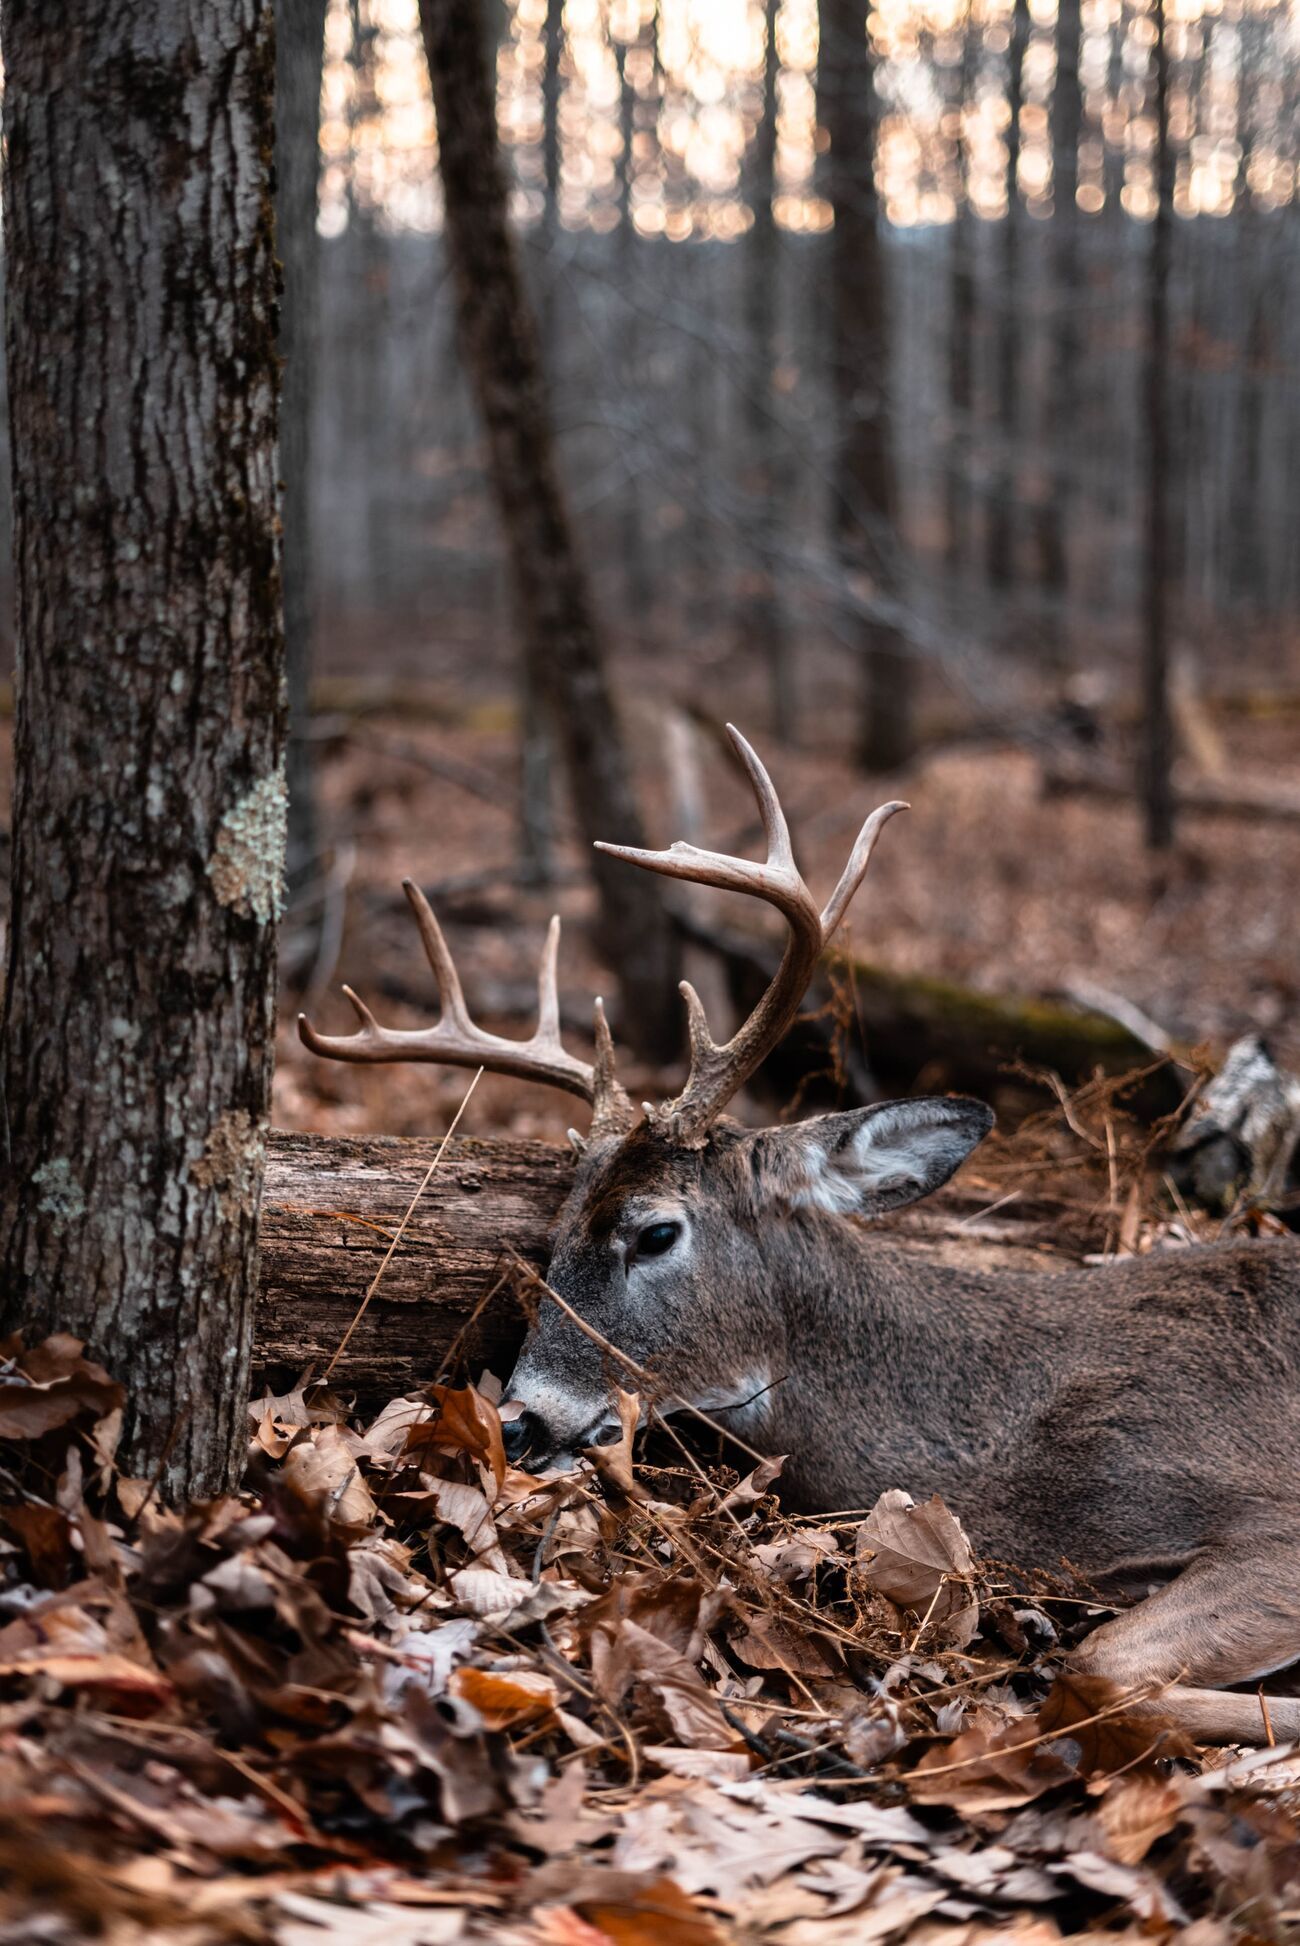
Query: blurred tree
[(762, 615), (1008, 378), (149, 812), (562, 645), (866, 488), (299, 54), (962, 313), (1156, 761), (1062, 431)]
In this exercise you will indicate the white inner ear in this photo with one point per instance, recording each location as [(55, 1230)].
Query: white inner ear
[(896, 1150)]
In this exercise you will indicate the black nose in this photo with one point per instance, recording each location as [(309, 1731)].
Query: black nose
[(522, 1435)]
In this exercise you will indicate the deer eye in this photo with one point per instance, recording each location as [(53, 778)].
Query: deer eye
[(657, 1239)]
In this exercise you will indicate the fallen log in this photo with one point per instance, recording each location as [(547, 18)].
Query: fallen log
[(1206, 799), (330, 1208), (332, 1205)]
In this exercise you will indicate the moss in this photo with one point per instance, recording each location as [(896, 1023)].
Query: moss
[(247, 863)]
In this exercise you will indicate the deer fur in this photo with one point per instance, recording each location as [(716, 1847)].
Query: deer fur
[(1139, 1420)]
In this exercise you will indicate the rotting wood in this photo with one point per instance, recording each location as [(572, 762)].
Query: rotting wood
[(330, 1208), (332, 1204)]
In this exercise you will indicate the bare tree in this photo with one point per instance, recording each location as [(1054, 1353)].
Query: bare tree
[(1066, 351), (763, 617), (1007, 377), (299, 54), (149, 812), (1156, 759), (866, 499), (961, 323), (556, 617)]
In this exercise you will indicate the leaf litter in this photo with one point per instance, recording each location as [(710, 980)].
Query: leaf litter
[(399, 1692)]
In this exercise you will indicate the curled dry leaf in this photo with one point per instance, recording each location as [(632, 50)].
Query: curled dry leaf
[(322, 1471), (1136, 1811), (990, 1767), (504, 1701), (49, 1385), (614, 1462), (1111, 1731), (462, 1421), (920, 1559)]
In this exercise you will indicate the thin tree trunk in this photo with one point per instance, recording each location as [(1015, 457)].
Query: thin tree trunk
[(1003, 511), (1157, 737), (866, 509), (764, 627), (638, 579), (536, 784), (1067, 303), (299, 57), (499, 343), (961, 329), (149, 815)]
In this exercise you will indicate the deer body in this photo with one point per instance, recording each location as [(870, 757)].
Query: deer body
[(1141, 1420)]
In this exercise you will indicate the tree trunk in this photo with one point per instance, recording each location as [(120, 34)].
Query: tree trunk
[(499, 343), (149, 812), (299, 56), (1067, 298), (764, 628), (866, 511), (961, 330), (1156, 757), (1002, 508)]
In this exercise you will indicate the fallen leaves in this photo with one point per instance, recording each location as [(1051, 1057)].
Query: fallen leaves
[(402, 1693)]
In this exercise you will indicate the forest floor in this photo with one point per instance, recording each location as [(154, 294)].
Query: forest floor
[(398, 1693)]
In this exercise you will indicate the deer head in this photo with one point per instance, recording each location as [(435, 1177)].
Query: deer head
[(693, 1246)]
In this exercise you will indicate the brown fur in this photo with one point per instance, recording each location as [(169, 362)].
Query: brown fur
[(1140, 1420)]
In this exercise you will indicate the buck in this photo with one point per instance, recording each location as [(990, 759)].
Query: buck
[(1140, 1419)]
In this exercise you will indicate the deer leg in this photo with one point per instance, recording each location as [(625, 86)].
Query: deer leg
[(1231, 1616)]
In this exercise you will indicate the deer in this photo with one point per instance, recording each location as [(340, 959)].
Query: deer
[(1139, 1419)]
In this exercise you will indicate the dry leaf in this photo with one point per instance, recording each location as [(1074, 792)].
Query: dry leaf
[(50, 1385), (988, 1768), (1136, 1811), (321, 1470), (919, 1558), (506, 1701), (1111, 1735), (463, 1422)]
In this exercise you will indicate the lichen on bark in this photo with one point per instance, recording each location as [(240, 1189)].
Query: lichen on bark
[(247, 862)]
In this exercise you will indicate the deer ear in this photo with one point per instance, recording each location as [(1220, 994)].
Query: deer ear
[(876, 1159)]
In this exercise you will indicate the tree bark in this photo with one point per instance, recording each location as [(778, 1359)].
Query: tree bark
[(1156, 759), (961, 330), (1062, 429), (499, 342), (149, 807), (866, 504), (1008, 378), (764, 625), (299, 57)]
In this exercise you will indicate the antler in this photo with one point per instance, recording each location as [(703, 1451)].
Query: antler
[(459, 1043), (717, 1073)]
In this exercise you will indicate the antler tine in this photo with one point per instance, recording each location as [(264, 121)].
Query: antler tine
[(612, 1112), (548, 992), (717, 1071), (856, 869), (457, 1042), (451, 995)]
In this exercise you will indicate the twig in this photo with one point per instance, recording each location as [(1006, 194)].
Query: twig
[(638, 1372), (374, 1282)]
